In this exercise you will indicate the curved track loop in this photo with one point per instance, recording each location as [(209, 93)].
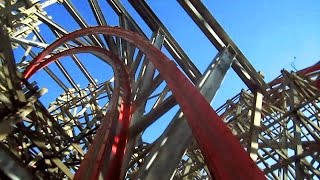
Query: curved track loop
[(225, 157), (106, 135)]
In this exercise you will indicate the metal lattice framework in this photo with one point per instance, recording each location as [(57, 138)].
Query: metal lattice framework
[(93, 127), (282, 128)]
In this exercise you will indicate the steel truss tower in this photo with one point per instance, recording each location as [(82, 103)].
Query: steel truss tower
[(94, 128)]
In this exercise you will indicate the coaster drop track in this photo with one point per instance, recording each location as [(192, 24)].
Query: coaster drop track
[(223, 154)]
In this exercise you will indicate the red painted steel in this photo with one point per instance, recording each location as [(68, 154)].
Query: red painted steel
[(306, 71), (225, 157), (87, 170)]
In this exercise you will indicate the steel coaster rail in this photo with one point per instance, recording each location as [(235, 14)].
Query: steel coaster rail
[(106, 135), (225, 157)]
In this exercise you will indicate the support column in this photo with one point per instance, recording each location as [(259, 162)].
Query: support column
[(168, 150), (255, 126)]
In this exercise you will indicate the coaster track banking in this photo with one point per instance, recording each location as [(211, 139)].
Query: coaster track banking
[(48, 137), (206, 126)]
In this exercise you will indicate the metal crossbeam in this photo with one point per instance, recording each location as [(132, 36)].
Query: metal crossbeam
[(82, 130)]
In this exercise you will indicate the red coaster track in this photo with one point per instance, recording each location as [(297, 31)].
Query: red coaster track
[(225, 157)]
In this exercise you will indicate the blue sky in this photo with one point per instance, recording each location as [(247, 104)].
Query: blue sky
[(269, 33)]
